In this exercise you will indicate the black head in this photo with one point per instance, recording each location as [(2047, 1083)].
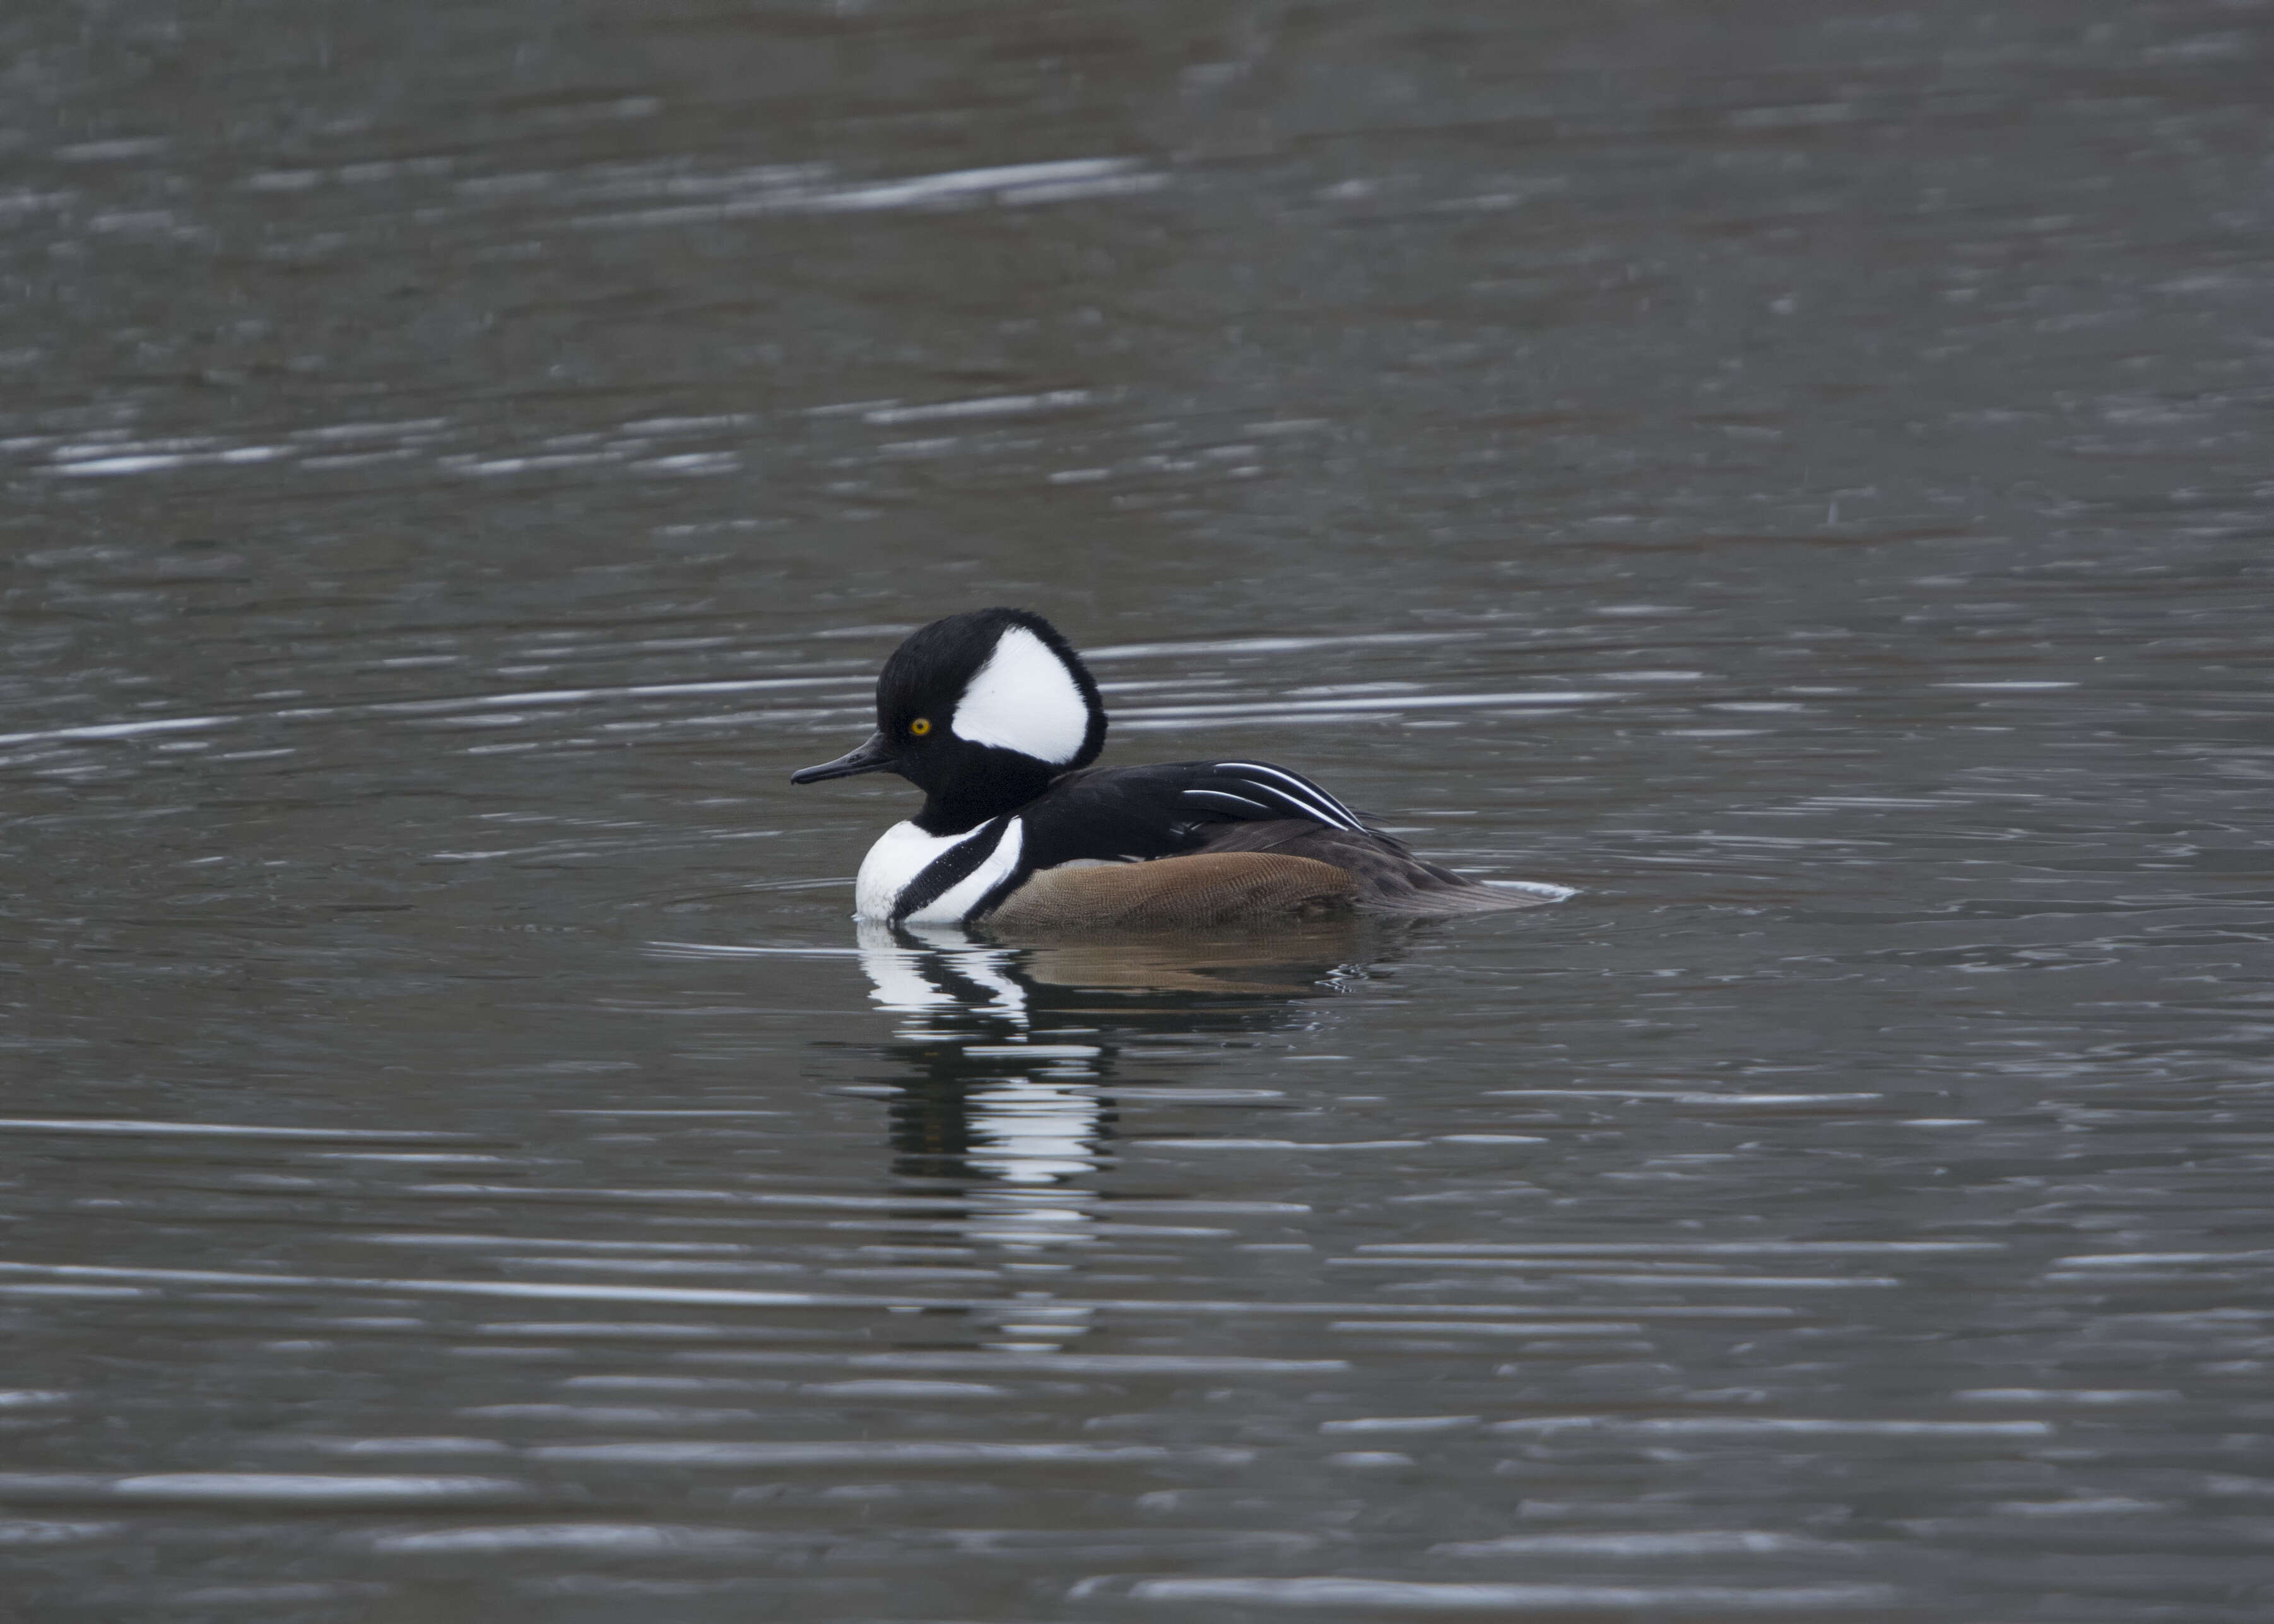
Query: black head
[(980, 712)]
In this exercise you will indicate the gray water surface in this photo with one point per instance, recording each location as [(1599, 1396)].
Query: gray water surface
[(1797, 475)]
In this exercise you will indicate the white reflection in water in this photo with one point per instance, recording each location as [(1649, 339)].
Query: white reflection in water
[(1009, 1077), (1025, 1117), (937, 975), (1033, 1132)]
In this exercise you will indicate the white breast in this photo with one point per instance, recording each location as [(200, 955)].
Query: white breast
[(902, 853)]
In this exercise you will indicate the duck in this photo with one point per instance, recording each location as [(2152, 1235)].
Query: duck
[(995, 718)]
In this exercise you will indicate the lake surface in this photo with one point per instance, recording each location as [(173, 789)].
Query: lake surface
[(1795, 475)]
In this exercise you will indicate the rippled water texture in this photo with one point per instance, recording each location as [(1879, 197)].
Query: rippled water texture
[(1797, 474)]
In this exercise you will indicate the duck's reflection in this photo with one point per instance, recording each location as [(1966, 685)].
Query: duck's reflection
[(1006, 1061), (1005, 1054)]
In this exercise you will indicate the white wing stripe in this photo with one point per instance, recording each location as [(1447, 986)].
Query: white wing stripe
[(1328, 796), (1223, 794), (1301, 808), (1299, 805), (1303, 787), (1325, 808)]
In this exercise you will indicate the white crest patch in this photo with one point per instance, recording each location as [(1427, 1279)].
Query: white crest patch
[(1024, 699)]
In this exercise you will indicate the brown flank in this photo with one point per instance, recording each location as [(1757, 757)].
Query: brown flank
[(1206, 891)]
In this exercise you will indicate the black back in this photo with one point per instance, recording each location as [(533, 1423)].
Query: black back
[(1179, 807), (1136, 814), (1123, 813)]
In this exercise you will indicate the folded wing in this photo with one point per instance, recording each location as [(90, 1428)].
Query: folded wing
[(1175, 809), (1137, 814)]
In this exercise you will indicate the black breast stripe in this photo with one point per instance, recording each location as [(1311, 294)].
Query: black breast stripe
[(993, 899), (949, 869)]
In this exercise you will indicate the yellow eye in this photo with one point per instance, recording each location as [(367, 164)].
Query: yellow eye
[(920, 727)]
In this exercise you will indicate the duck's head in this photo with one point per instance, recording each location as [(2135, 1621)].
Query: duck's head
[(980, 712)]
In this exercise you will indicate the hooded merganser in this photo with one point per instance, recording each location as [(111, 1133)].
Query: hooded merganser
[(995, 718)]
